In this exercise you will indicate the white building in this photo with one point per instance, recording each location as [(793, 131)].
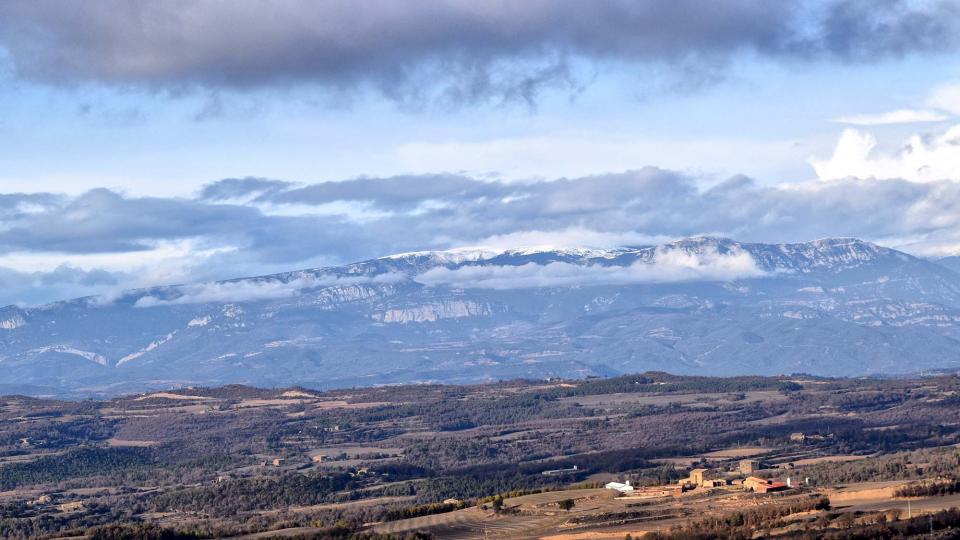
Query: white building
[(622, 488)]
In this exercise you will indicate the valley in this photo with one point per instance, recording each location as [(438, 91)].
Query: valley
[(494, 460)]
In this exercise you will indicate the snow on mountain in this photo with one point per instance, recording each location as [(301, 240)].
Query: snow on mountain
[(698, 305), (454, 256)]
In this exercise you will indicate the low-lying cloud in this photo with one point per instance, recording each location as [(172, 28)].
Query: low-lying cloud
[(254, 289), (669, 266), (64, 281)]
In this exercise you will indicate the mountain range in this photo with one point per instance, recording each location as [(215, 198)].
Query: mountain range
[(833, 307)]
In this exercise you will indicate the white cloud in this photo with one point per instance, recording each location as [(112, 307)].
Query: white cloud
[(901, 116), (919, 159), (162, 252), (668, 266), (946, 97), (248, 290)]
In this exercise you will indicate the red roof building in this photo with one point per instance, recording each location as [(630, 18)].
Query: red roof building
[(772, 486)]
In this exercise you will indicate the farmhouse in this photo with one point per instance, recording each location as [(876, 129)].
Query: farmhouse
[(697, 475), (763, 485), (749, 466), (622, 488), (71, 506), (772, 486), (656, 492), (699, 478), (750, 483)]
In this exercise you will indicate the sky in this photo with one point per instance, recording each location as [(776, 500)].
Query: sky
[(146, 143)]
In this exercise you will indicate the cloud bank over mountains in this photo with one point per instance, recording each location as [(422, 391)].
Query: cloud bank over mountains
[(456, 51), (879, 183), (668, 266), (55, 245), (253, 226), (465, 53), (251, 290)]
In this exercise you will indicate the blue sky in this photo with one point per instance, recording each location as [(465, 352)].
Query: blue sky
[(616, 122), (77, 138)]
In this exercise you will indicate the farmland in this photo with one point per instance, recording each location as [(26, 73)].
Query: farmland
[(500, 460)]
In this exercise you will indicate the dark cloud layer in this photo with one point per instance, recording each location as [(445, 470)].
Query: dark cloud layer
[(101, 221), (651, 201), (441, 211), (457, 50), (392, 193), (242, 188), (62, 282)]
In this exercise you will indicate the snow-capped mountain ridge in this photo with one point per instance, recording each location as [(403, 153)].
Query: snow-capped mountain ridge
[(832, 306), (835, 254), (330, 286)]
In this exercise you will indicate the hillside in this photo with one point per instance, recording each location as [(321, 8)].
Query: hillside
[(697, 306), (433, 460)]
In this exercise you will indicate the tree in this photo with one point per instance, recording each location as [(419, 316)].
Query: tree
[(497, 503), (846, 520), (566, 504)]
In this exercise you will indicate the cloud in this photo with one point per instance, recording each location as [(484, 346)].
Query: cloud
[(942, 102), (101, 220), (668, 266), (156, 240), (631, 206), (391, 193), (64, 281), (651, 203), (865, 31), (459, 51), (946, 97), (69, 274), (586, 152), (241, 291), (901, 116), (920, 159), (22, 205), (252, 290), (230, 189)]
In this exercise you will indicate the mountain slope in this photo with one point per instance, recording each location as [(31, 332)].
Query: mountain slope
[(700, 305)]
